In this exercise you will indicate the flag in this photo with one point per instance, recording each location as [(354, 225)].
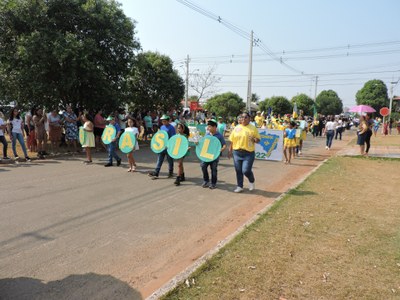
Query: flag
[(269, 111), (295, 112), (315, 112)]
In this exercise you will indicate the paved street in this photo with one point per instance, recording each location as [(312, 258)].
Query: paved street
[(61, 219)]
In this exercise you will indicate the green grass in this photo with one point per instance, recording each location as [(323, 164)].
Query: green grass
[(336, 236)]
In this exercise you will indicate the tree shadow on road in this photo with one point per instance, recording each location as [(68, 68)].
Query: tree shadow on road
[(86, 286)]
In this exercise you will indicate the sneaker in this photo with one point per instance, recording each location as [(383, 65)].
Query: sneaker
[(326, 147), (108, 165), (153, 174), (252, 186), (86, 162), (204, 185), (170, 175), (118, 162), (27, 158), (16, 158), (213, 186), (238, 189), (6, 157)]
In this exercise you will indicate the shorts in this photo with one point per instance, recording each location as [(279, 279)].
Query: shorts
[(98, 131)]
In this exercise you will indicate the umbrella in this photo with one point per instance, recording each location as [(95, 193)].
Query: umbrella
[(362, 109)]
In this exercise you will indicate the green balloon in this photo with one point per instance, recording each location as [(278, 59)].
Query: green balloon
[(178, 146), (127, 142), (159, 141), (208, 149)]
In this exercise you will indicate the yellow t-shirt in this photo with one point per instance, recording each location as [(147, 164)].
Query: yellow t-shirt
[(259, 120), (241, 137)]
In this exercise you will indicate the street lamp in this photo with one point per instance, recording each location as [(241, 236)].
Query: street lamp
[(393, 85)]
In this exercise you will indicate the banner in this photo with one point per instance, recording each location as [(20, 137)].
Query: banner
[(109, 134), (127, 142), (82, 135), (159, 141), (270, 146), (178, 146), (208, 149)]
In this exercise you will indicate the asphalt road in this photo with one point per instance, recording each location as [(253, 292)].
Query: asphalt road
[(71, 230)]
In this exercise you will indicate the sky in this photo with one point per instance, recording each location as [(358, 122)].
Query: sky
[(343, 42)]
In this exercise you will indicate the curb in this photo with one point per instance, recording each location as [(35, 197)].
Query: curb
[(182, 276)]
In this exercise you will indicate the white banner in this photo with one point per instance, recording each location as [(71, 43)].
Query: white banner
[(271, 145)]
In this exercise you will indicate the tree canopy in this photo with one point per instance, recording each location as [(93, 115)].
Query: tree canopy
[(154, 83), (279, 105), (55, 52), (304, 103), (226, 105), (373, 93), (329, 103)]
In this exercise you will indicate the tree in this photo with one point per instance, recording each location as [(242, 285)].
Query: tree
[(329, 103), (279, 105), (373, 93), (55, 52), (154, 83), (204, 84), (255, 98), (304, 103), (226, 105)]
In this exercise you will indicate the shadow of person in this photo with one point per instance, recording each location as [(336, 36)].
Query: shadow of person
[(86, 286)]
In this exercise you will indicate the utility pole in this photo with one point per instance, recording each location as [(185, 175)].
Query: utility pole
[(316, 87), (250, 74), (393, 84), (187, 82)]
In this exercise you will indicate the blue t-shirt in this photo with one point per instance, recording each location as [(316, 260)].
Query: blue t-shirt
[(169, 129), (290, 133), (219, 137), (117, 127)]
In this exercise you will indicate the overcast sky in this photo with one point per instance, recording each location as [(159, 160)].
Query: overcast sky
[(343, 42)]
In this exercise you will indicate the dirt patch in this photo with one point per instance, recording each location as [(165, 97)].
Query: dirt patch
[(334, 237)]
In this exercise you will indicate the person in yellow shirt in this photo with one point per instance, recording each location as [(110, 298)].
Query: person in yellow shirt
[(259, 119), (243, 139)]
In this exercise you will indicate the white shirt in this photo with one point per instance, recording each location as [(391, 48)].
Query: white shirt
[(135, 132), (330, 126), (16, 125)]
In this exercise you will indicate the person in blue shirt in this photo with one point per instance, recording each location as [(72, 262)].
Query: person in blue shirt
[(111, 147), (166, 126), (212, 130)]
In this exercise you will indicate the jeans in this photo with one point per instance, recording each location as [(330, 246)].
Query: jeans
[(213, 166), (112, 153), (368, 140), (329, 137), (160, 160), (339, 132), (243, 161), (4, 142), (18, 136)]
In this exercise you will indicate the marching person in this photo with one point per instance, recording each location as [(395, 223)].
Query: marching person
[(181, 129), (16, 131), (166, 126), (329, 131), (242, 147), (88, 127), (289, 141), (212, 130), (112, 147), (132, 127)]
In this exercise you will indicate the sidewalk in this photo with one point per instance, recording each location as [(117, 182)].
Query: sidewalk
[(381, 146)]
